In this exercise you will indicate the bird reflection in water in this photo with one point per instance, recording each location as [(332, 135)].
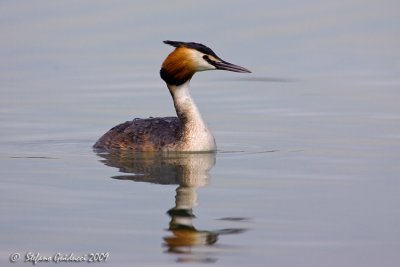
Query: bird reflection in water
[(189, 171)]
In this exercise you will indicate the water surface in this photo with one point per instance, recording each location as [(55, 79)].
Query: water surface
[(307, 168)]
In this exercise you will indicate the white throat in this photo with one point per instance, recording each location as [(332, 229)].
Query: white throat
[(195, 134)]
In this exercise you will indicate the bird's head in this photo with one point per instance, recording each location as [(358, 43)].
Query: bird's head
[(189, 58)]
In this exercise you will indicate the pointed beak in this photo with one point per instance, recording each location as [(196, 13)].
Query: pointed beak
[(223, 65)]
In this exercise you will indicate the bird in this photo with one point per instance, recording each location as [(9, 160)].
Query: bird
[(187, 132)]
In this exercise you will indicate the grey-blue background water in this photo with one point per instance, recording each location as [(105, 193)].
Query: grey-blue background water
[(307, 172)]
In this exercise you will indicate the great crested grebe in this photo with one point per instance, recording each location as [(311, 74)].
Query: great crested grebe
[(188, 131)]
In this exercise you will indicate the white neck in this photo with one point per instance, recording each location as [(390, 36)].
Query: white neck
[(195, 134)]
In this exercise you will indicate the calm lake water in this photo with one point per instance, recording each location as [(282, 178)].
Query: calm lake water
[(307, 172)]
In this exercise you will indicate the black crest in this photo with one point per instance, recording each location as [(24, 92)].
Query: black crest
[(197, 46)]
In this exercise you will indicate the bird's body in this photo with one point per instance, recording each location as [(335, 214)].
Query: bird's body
[(152, 134), (188, 131)]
